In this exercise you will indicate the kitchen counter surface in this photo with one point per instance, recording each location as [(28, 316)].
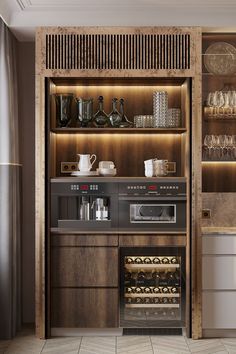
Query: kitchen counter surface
[(219, 230)]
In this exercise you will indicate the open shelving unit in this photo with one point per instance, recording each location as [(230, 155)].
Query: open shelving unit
[(217, 175)]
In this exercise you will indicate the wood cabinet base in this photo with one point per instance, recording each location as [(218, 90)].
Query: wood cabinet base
[(84, 308)]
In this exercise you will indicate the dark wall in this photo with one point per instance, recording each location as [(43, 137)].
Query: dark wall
[(26, 88)]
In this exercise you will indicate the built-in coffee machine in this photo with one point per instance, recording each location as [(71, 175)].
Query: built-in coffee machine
[(84, 206)]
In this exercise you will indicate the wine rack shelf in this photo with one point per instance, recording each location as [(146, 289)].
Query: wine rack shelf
[(151, 266), (151, 295), (151, 305)]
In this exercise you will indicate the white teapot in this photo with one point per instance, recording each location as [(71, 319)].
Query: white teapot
[(85, 162)]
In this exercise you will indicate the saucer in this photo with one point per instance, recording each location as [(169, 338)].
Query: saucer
[(84, 173)]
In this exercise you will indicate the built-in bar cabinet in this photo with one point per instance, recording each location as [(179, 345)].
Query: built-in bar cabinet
[(78, 274)]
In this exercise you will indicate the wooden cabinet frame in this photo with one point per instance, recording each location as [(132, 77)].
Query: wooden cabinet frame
[(181, 40)]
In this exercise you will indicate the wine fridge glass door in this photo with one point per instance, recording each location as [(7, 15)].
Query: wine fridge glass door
[(152, 287)]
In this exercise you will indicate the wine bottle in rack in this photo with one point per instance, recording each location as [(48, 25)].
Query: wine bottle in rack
[(156, 300), (165, 290), (156, 278), (138, 260), (163, 279), (165, 260), (129, 260), (139, 300), (156, 290), (147, 260), (147, 300), (174, 260), (141, 278), (147, 290), (138, 290), (156, 260), (171, 278), (129, 300)]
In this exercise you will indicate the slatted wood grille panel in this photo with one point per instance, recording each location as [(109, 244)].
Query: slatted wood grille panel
[(118, 51)]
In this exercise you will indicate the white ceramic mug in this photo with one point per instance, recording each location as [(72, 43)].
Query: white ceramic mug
[(85, 162), (149, 168)]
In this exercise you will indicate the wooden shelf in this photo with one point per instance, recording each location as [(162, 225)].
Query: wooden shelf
[(119, 130)]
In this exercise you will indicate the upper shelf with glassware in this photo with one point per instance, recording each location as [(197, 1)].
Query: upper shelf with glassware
[(122, 107), (221, 105)]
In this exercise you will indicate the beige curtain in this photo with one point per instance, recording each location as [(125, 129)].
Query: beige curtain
[(10, 172)]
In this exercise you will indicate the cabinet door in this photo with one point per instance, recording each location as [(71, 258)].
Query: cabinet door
[(84, 266), (219, 309), (84, 308), (222, 244), (219, 272)]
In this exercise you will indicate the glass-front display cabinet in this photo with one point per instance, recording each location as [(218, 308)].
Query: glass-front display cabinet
[(219, 112)]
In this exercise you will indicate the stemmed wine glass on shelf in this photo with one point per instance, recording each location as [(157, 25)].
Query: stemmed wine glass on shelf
[(219, 147)]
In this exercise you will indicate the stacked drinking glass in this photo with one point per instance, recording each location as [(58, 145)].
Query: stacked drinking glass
[(160, 107), (173, 118), (164, 117)]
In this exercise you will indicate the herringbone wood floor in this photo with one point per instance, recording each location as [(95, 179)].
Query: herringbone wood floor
[(26, 343)]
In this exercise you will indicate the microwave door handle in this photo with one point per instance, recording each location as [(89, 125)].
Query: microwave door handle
[(139, 198)]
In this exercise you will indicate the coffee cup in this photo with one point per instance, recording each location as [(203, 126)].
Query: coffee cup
[(160, 168)]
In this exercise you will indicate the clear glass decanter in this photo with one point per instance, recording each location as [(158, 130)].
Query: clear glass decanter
[(114, 116), (100, 119), (125, 123)]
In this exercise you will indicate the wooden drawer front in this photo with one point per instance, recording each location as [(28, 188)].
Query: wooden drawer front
[(84, 240), (152, 240), (219, 272), (84, 266), (84, 308), (222, 244), (219, 309)]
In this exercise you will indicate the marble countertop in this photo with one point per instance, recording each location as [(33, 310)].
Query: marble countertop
[(225, 230)]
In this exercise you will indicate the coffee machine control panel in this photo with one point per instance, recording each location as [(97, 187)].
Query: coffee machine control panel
[(81, 188), (84, 187)]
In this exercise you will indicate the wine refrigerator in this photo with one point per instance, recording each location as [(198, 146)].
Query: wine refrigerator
[(152, 287)]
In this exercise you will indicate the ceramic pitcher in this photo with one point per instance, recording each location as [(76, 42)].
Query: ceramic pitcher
[(86, 161)]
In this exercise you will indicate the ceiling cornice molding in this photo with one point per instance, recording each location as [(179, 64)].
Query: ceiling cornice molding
[(73, 5)]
